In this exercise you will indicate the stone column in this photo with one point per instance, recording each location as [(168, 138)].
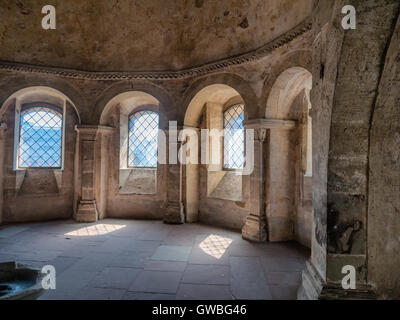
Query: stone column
[(191, 175), (87, 208), (3, 129), (174, 212), (255, 227)]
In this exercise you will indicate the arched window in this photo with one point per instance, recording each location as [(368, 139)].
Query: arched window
[(40, 137), (234, 137), (143, 139)]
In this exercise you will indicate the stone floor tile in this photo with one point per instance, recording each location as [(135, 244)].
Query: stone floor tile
[(284, 278), (248, 280), (216, 263), (129, 259), (159, 265), (172, 253), (10, 231), (204, 256), (207, 274), (156, 282), (284, 292), (115, 278), (282, 264), (89, 293)]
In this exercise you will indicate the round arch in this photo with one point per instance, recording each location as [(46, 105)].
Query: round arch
[(39, 93), (215, 93), (221, 95), (227, 84), (298, 59), (289, 99), (288, 85), (139, 91)]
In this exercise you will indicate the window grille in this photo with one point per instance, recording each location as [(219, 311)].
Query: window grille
[(234, 137), (40, 138), (143, 139)]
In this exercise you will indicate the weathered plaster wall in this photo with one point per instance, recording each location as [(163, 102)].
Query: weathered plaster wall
[(354, 162), (32, 195), (144, 201), (282, 180), (113, 35), (361, 59), (384, 176), (223, 212)]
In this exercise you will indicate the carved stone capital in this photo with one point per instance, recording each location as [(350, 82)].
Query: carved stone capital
[(260, 134)]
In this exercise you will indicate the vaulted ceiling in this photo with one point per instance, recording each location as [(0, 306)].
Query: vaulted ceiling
[(142, 35)]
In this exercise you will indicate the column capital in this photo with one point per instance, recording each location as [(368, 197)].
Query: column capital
[(260, 134), (270, 124)]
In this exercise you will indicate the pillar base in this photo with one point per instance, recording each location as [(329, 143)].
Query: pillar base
[(254, 229), (314, 288), (174, 214), (87, 211)]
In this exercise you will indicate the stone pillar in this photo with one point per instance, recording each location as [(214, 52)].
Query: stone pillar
[(191, 175), (255, 227), (87, 136), (3, 128), (174, 212)]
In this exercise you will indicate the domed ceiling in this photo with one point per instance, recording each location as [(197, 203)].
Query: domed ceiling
[(142, 35)]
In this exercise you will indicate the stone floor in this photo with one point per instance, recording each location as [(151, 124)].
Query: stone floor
[(125, 259)]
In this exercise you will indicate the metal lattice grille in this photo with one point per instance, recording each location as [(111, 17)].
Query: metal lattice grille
[(143, 139), (234, 137), (40, 138)]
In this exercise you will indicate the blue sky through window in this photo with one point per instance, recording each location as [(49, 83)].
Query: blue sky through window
[(40, 141), (143, 139), (234, 137)]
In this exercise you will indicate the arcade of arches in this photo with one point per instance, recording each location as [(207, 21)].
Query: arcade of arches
[(324, 106)]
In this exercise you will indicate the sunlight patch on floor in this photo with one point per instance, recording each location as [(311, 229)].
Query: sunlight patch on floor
[(96, 230), (215, 245)]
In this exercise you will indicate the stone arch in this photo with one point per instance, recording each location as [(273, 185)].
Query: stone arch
[(235, 82), (133, 191), (38, 93), (60, 183), (128, 102), (285, 90), (298, 59), (290, 157), (122, 90), (215, 93), (213, 99)]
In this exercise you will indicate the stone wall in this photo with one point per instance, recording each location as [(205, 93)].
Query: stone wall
[(352, 79), (31, 195)]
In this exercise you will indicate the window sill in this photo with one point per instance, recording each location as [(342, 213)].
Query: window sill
[(39, 169)]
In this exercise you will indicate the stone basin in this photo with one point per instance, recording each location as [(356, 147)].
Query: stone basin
[(19, 282)]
